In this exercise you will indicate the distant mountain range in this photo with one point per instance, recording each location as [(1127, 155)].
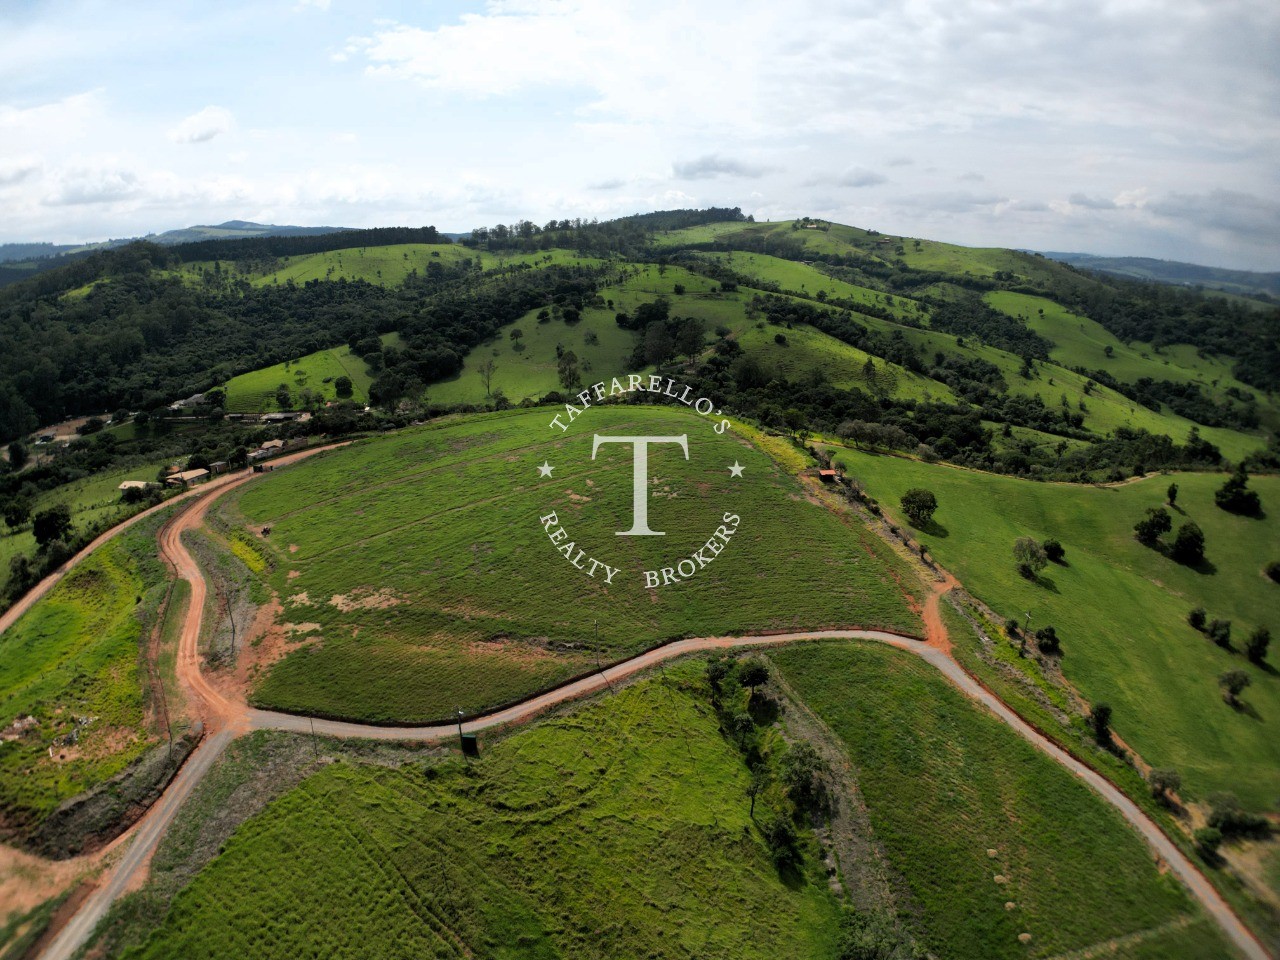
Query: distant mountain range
[(1244, 282), (230, 230)]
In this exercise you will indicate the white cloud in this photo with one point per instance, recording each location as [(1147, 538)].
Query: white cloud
[(16, 169), (76, 187), (202, 126), (713, 165)]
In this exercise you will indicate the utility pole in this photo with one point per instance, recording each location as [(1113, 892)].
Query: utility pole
[(314, 741), (463, 749), (599, 668)]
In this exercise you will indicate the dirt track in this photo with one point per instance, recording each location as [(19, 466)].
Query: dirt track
[(225, 719)]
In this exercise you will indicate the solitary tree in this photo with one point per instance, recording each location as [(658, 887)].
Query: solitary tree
[(1047, 640), (17, 455), (753, 672), (919, 504), (52, 524), (1219, 632), (1233, 683), (567, 369), (283, 400), (17, 512), (1054, 551), (1155, 524), (1235, 495), (342, 386), (1188, 545), (1273, 570), (1256, 646), (485, 371), (1196, 618), (1163, 782), (1100, 721), (1173, 494), (1029, 556)]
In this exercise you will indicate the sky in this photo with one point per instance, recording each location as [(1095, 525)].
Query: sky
[(1144, 128)]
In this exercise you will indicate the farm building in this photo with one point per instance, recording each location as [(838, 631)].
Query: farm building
[(136, 485), (187, 478), (827, 476), (219, 467)]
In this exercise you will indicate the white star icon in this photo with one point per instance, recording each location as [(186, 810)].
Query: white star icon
[(545, 469), (736, 469)]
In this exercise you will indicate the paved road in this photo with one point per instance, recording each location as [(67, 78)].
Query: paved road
[(226, 719)]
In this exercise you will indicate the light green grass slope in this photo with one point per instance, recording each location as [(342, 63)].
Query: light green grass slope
[(255, 392), (1120, 608), (456, 596), (72, 663), (619, 831), (946, 786)]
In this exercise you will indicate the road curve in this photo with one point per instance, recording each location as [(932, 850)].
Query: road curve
[(225, 719)]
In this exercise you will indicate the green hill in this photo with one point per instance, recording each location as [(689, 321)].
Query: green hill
[(437, 529), (1120, 608)]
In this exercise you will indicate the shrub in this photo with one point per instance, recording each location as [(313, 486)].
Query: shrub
[(802, 772), (1164, 781), (1208, 839), (1188, 545), (753, 672), (1196, 618), (1231, 820), (1047, 640), (1155, 524), (1235, 496), (1219, 632), (1256, 646), (1233, 683), (1054, 550), (1100, 722), (784, 845), (1029, 556), (919, 504)]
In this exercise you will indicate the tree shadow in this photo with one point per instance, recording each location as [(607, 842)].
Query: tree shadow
[(1204, 566), (1047, 583), (1248, 709), (933, 528)]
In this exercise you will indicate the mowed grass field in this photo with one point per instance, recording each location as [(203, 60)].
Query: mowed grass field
[(1120, 608), (72, 663), (255, 392), (621, 830), (426, 580), (990, 838)]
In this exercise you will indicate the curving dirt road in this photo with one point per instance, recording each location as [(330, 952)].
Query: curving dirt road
[(225, 719)]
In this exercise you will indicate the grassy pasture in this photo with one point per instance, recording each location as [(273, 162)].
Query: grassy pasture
[(531, 371), (255, 392), (945, 783), (75, 657), (421, 563), (620, 830), (1081, 342), (808, 281), (1120, 608)]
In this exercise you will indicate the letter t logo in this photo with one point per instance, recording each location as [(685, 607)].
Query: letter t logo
[(640, 478)]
